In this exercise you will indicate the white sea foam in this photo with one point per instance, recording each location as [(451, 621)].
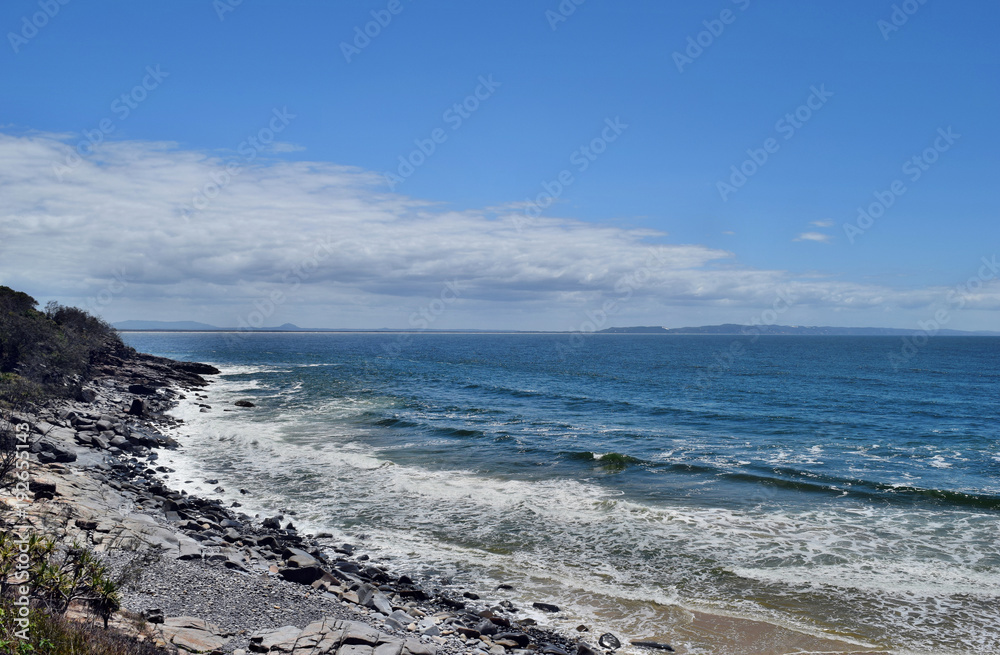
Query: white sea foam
[(574, 539)]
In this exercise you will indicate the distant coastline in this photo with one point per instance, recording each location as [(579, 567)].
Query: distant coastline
[(727, 329)]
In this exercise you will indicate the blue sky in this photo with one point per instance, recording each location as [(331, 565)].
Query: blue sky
[(128, 230)]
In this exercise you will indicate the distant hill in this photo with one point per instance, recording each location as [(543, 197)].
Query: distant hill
[(736, 329)]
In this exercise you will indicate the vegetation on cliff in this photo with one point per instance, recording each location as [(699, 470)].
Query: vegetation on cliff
[(51, 352)]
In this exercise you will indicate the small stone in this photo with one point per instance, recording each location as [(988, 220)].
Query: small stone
[(656, 645), (546, 607), (609, 641)]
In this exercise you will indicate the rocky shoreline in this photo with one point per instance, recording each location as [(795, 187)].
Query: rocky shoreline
[(212, 579)]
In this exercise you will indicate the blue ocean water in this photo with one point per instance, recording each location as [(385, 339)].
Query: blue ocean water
[(811, 482)]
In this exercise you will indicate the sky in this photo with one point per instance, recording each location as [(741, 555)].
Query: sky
[(507, 164)]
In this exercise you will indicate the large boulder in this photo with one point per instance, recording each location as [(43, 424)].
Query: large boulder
[(139, 407), (302, 574), (50, 451)]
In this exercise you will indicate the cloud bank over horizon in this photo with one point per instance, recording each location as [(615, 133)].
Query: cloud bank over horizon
[(155, 231)]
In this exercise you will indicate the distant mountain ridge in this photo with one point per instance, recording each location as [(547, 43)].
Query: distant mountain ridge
[(725, 328), (737, 329)]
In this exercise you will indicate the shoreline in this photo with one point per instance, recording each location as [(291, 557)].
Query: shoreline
[(219, 544)]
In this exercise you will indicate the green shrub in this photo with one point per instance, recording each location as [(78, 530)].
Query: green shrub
[(51, 352), (54, 576)]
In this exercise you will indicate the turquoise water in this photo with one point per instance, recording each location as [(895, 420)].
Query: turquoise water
[(805, 480)]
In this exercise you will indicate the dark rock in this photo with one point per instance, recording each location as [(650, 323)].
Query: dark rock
[(399, 619), (471, 596), (302, 574), (487, 627), (583, 648), (468, 632), (49, 452), (519, 638), (268, 541), (141, 389), (273, 523), (42, 489), (656, 645), (609, 641), (87, 395), (153, 615), (505, 587), (196, 368), (451, 602), (416, 594), (244, 403), (86, 524), (582, 628), (545, 607), (139, 407), (553, 650)]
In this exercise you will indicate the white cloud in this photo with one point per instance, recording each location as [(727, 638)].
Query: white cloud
[(382, 256), (285, 146), (813, 236), (822, 223)]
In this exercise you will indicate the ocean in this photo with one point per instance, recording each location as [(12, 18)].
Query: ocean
[(726, 494)]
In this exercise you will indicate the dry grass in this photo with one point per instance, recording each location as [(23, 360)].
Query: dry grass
[(51, 634)]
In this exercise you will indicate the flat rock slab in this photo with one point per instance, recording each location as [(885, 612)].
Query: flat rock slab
[(281, 640), (334, 637), (193, 635)]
